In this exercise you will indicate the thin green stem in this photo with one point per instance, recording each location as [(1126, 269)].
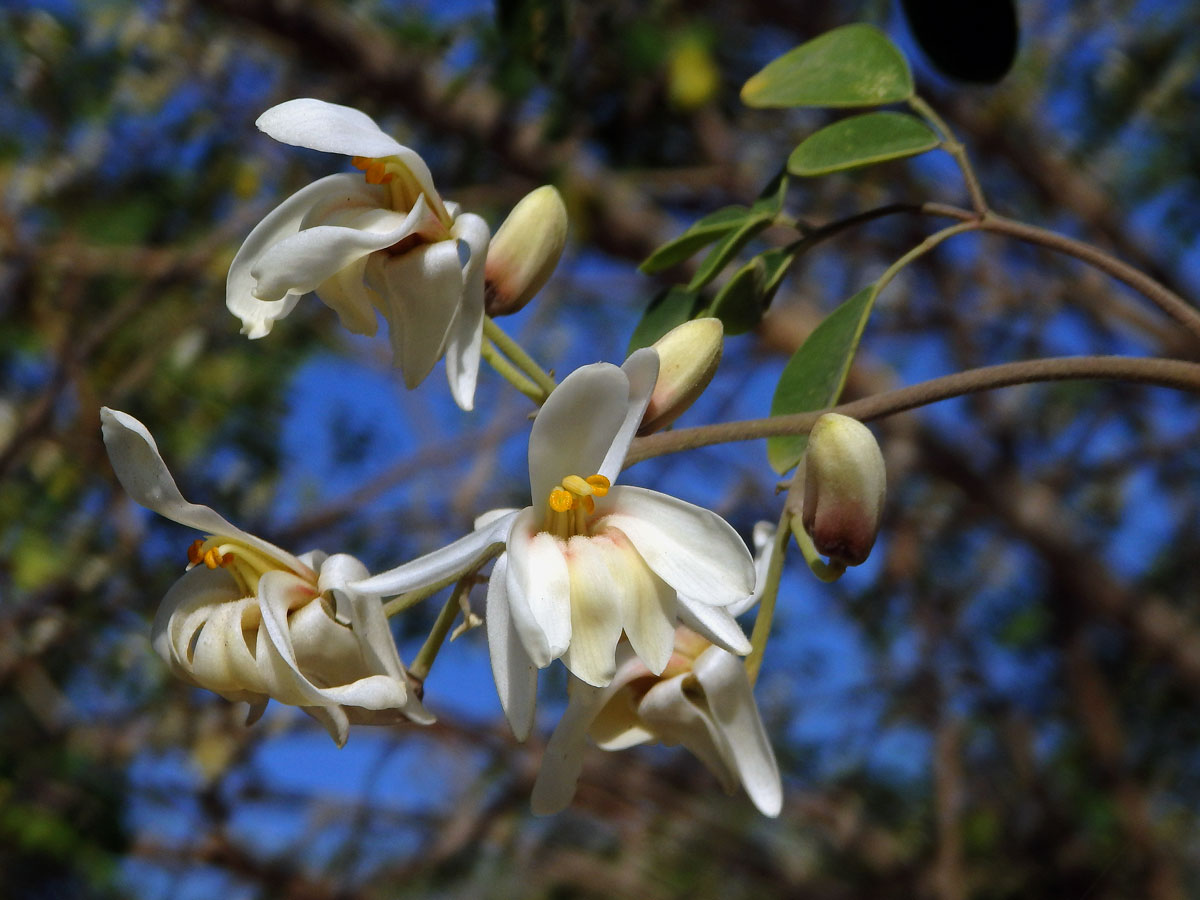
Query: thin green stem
[(517, 354), (510, 373), (441, 627), (825, 571), (952, 145), (1169, 373), (766, 605), (921, 249)]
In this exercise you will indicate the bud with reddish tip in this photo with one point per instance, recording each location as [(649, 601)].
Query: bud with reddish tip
[(523, 253), (688, 356), (844, 486)]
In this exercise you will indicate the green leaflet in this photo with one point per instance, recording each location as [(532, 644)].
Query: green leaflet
[(855, 65), (814, 376)]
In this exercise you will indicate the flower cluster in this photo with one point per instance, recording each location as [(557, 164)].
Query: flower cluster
[(636, 592)]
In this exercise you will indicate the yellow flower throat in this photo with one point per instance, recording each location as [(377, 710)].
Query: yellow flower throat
[(570, 504), (402, 185), (245, 564)]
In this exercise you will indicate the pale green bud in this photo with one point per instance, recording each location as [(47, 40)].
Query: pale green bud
[(524, 251), (688, 356), (844, 487)]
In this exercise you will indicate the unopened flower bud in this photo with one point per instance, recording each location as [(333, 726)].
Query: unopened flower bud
[(688, 356), (524, 252), (844, 486)]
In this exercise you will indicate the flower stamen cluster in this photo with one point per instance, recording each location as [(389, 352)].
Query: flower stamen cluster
[(245, 564), (569, 505)]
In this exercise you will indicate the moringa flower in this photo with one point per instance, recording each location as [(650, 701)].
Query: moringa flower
[(590, 561), (702, 700), (250, 621), (382, 241)]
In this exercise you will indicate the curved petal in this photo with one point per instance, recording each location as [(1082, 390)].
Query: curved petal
[(334, 719), (333, 128), (330, 127), (221, 657), (464, 342), (616, 726), (714, 623), (300, 262), (595, 568), (198, 591), (278, 593), (539, 591), (145, 477), (512, 669), (435, 567), (692, 549), (746, 746), (422, 290), (765, 548), (574, 430), (347, 295), (259, 315), (667, 711), (563, 759), (642, 371), (647, 606)]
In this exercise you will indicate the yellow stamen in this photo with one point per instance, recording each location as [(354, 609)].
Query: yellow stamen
[(599, 483), (212, 559), (560, 500), (576, 486), (377, 173), (360, 162)]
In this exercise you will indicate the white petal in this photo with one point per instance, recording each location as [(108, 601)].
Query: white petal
[(198, 589), (277, 592), (574, 430), (714, 623), (334, 719), (330, 127), (221, 660), (616, 726), (514, 673), (333, 128), (465, 340), (747, 749), (692, 549), (539, 591), (647, 606), (145, 477), (422, 290), (302, 261), (346, 294), (441, 564), (765, 549), (563, 759), (483, 520), (259, 315), (667, 711), (642, 371), (595, 567)]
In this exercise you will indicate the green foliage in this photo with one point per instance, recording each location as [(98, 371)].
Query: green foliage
[(861, 141), (740, 304), (814, 376), (855, 65), (698, 236), (670, 307)]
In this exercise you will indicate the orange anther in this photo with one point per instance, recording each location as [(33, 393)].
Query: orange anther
[(560, 500), (599, 483), (360, 162), (194, 555), (211, 559), (589, 504), (377, 173)]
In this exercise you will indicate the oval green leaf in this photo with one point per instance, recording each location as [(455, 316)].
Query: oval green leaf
[(861, 141), (727, 248), (702, 233), (855, 65), (814, 376)]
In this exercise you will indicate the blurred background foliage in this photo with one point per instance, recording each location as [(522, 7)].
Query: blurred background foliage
[(1000, 704)]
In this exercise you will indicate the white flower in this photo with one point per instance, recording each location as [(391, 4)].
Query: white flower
[(589, 561), (382, 242), (250, 621), (702, 700)]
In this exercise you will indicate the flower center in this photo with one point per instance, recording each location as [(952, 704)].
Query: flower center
[(403, 186), (569, 505), (245, 564)]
